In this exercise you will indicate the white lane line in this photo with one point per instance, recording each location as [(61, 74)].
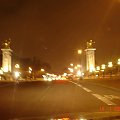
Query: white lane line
[(86, 89), (76, 84), (103, 99), (43, 95), (111, 97), (79, 85)]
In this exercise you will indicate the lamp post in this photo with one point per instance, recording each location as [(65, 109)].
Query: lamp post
[(71, 70), (98, 70), (17, 66), (80, 60), (71, 65), (42, 70), (17, 71), (79, 52), (103, 69), (118, 62), (30, 72), (110, 65)]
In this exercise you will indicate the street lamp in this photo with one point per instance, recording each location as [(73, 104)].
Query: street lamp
[(110, 65), (30, 70), (71, 64), (118, 61), (78, 65), (79, 73), (1, 71), (17, 66), (42, 70), (75, 67), (79, 52), (98, 68), (71, 70), (118, 66), (103, 66), (64, 74), (17, 74), (17, 71)]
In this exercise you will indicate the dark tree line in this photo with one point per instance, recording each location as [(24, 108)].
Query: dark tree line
[(35, 63)]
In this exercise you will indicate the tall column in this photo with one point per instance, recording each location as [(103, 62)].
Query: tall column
[(6, 56), (90, 57)]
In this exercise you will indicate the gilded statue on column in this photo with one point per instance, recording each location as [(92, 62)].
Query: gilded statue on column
[(6, 44), (90, 44)]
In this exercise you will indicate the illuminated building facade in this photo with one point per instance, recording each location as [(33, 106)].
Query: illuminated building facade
[(90, 56), (6, 56)]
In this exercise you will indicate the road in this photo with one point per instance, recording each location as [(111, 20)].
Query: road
[(51, 98)]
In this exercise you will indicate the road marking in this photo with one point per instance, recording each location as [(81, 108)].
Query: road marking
[(103, 99), (111, 97), (79, 85), (43, 95), (84, 88)]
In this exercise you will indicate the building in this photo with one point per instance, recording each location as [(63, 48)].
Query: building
[(6, 57), (90, 56)]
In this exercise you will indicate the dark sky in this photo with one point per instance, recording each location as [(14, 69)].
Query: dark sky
[(53, 30)]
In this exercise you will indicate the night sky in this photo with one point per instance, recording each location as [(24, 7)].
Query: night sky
[(53, 30)]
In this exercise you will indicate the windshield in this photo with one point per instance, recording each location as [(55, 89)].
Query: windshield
[(59, 59)]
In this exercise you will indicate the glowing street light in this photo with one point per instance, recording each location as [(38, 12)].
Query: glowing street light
[(17, 74), (71, 70), (118, 61), (110, 64), (71, 64), (42, 70), (65, 74), (1, 71), (78, 65), (119, 66), (80, 52), (92, 69), (80, 60), (17, 66), (103, 66), (30, 70), (79, 73), (98, 68), (75, 67)]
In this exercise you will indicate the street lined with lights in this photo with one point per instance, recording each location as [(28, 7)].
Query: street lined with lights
[(63, 58), (71, 87)]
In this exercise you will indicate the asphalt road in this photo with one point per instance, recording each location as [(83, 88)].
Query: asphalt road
[(28, 99)]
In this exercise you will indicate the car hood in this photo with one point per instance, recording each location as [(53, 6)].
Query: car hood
[(76, 116)]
